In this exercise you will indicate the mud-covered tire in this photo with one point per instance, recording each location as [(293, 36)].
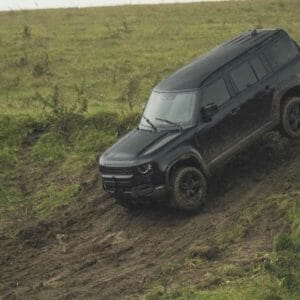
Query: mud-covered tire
[(188, 189), (290, 118)]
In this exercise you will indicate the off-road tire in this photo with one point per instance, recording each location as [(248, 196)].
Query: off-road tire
[(188, 189), (290, 118)]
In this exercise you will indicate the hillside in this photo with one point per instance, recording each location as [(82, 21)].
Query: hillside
[(93, 247), (71, 82)]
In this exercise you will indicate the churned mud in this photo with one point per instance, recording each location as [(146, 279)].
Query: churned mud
[(94, 248)]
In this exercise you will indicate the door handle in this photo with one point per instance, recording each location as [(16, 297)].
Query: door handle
[(235, 110)]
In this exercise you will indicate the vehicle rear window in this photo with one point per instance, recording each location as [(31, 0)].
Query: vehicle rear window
[(216, 93), (281, 52), (243, 76), (258, 67)]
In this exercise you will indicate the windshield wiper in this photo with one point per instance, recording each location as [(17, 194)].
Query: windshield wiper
[(150, 123), (169, 122)]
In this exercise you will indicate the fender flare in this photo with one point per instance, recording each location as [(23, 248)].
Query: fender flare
[(279, 93), (188, 152)]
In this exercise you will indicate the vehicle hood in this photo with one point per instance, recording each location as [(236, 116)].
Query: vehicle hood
[(136, 145)]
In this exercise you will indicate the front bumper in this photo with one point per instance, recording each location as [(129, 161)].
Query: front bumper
[(132, 186)]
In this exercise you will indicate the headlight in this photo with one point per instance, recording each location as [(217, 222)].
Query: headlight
[(144, 169)]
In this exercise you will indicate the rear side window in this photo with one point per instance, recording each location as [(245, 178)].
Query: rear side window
[(258, 67), (243, 76), (216, 93), (281, 52)]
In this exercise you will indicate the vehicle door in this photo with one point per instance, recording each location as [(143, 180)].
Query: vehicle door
[(218, 132), (253, 90)]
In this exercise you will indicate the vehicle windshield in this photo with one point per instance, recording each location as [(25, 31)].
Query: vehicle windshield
[(169, 110)]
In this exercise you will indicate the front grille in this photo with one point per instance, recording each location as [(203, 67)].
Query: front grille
[(113, 185), (116, 171)]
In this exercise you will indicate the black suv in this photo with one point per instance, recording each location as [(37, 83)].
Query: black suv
[(204, 114)]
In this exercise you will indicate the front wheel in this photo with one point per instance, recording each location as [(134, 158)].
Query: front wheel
[(188, 189), (290, 118)]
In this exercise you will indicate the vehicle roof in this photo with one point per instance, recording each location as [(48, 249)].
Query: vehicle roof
[(193, 75)]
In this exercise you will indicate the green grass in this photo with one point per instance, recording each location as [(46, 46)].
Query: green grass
[(276, 275), (115, 49), (71, 79)]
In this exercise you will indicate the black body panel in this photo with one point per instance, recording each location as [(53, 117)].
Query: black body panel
[(194, 74), (141, 163)]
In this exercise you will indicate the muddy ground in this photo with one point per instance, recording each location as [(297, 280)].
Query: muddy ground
[(94, 248)]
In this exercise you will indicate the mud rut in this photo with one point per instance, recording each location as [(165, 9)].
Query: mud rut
[(104, 251)]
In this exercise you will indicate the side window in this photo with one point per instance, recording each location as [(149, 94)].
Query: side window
[(281, 52), (216, 93), (243, 76), (258, 67)]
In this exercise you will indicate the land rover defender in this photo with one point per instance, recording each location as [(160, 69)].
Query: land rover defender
[(204, 114)]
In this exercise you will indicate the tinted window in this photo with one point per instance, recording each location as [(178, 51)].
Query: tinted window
[(243, 76), (281, 52), (258, 67), (216, 93)]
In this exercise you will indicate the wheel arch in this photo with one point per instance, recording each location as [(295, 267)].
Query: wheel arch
[(187, 159), (289, 89), (292, 92)]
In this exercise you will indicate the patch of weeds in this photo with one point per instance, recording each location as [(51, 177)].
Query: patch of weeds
[(74, 164), (207, 252), (231, 270), (283, 266), (47, 199), (23, 60), (227, 236), (284, 262), (129, 92), (283, 241), (81, 91), (26, 32), (42, 67), (8, 159), (249, 215), (169, 268), (90, 140), (209, 280), (12, 130), (61, 109), (49, 150), (12, 207), (116, 30), (193, 263), (295, 235), (159, 293), (260, 288), (241, 228)]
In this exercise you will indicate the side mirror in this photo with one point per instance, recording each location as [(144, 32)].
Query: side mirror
[(208, 111)]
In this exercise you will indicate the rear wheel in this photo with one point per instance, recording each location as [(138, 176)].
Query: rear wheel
[(188, 188), (290, 118)]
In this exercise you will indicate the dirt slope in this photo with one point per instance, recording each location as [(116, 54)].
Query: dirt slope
[(101, 250)]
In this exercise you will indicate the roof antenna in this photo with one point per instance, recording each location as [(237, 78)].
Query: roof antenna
[(254, 32)]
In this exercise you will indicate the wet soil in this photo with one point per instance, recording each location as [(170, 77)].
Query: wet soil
[(97, 249)]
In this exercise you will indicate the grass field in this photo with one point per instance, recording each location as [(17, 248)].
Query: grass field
[(71, 80)]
